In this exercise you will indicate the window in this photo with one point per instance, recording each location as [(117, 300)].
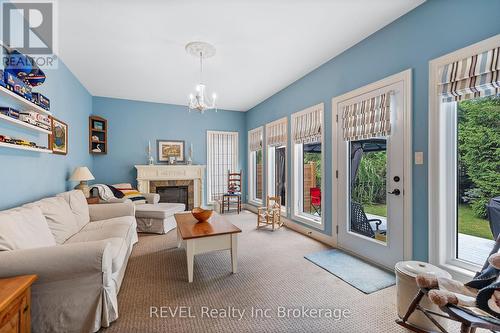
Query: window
[(464, 123), (255, 166), (276, 138), (307, 165), (222, 156)]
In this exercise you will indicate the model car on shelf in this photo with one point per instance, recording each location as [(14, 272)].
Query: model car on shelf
[(16, 85), (27, 143), (13, 113), (41, 100), (27, 119), (2, 81)]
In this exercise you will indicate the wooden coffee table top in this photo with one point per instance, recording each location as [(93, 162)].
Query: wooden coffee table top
[(190, 228)]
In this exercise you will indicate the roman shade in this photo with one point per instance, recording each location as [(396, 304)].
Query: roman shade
[(276, 133), (307, 124), (255, 139), (368, 118), (472, 77)]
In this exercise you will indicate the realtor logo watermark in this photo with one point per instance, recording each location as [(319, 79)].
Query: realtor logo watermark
[(30, 28)]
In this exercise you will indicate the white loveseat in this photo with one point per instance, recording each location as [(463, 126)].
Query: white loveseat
[(79, 253)]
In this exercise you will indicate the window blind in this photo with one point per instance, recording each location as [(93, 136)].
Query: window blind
[(222, 157), (368, 118), (307, 124), (472, 77), (255, 139), (276, 132)]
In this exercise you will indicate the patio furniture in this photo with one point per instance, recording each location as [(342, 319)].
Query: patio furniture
[(270, 214), (361, 224), (233, 195), (493, 208), (315, 193), (469, 321)]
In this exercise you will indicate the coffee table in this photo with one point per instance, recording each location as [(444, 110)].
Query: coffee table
[(202, 237)]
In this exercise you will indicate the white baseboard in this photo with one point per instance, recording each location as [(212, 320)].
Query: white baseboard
[(326, 239)]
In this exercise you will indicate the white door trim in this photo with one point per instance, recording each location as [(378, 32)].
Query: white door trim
[(406, 77), (439, 246)]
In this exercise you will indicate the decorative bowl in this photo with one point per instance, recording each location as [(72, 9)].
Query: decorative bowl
[(202, 215)]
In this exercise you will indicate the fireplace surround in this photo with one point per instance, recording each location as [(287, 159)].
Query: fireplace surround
[(152, 177)]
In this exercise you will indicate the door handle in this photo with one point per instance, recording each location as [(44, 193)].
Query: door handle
[(396, 191)]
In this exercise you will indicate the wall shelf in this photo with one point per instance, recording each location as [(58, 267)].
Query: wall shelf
[(23, 124), (14, 146), (22, 103), (98, 128)]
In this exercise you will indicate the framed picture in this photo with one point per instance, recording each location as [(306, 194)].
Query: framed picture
[(170, 151), (58, 140)]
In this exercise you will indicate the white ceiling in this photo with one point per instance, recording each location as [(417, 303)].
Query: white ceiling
[(135, 49)]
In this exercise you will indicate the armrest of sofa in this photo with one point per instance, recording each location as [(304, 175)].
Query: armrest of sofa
[(151, 198), (107, 211), (56, 263)]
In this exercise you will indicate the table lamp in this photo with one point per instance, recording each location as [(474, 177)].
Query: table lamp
[(82, 175)]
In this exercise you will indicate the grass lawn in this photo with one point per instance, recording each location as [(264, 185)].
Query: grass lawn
[(374, 209), (470, 225), (467, 223)]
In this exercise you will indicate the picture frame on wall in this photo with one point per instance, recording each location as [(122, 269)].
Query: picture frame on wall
[(170, 151), (58, 140)]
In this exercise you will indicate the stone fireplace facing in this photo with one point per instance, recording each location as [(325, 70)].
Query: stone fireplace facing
[(174, 183)]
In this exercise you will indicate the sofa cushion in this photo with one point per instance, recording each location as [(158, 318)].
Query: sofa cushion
[(62, 223), (24, 228), (119, 231), (78, 204), (158, 211)]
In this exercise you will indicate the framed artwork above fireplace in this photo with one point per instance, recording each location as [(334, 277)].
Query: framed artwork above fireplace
[(168, 150)]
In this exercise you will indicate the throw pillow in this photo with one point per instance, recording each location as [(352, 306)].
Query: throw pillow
[(62, 223), (78, 204), (24, 228)]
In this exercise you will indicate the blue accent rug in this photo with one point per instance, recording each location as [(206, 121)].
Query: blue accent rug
[(356, 272)]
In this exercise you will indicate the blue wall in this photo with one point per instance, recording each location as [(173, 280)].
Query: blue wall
[(27, 176), (132, 123), (435, 28)]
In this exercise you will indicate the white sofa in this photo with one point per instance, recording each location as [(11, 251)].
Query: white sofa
[(79, 253)]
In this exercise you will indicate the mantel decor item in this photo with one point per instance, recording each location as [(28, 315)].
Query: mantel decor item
[(190, 157), (151, 160), (169, 151), (82, 175), (58, 140)]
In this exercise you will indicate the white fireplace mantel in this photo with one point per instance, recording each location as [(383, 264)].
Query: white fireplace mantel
[(148, 173)]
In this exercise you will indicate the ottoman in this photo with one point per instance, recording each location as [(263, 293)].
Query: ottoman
[(157, 218)]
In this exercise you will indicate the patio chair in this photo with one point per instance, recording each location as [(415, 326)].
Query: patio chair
[(315, 193), (469, 321), (361, 224)]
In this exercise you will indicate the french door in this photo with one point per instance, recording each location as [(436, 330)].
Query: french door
[(370, 196)]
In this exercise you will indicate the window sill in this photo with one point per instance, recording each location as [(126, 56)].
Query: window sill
[(457, 272), (316, 223), (255, 203)]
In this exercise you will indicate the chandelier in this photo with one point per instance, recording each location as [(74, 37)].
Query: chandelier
[(199, 101)]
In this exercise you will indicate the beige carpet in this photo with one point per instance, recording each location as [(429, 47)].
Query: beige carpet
[(272, 273)]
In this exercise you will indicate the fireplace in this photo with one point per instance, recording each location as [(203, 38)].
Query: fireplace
[(174, 191), (174, 194)]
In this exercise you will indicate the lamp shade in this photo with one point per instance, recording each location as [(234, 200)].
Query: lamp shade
[(82, 174)]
